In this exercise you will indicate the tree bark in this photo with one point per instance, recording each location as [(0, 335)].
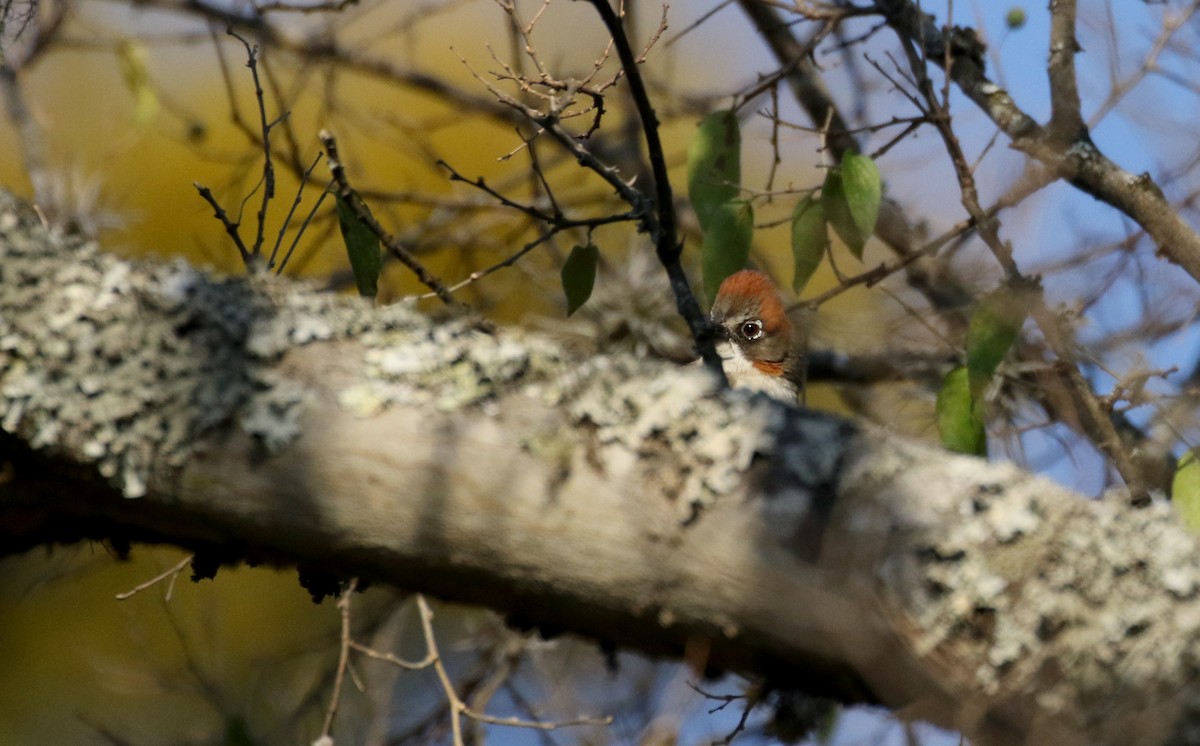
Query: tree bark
[(619, 498)]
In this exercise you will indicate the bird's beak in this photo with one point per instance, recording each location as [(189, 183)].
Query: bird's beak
[(719, 331)]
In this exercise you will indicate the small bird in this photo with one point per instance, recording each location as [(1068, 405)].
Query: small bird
[(760, 348)]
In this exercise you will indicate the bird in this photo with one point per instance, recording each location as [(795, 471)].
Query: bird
[(760, 348)]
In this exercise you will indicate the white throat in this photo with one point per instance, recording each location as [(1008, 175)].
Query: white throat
[(742, 374)]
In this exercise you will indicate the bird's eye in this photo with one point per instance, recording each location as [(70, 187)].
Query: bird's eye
[(752, 330)]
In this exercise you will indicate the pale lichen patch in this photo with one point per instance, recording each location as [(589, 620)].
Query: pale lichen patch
[(273, 416), (452, 365), (448, 365), (634, 408), (136, 363), (991, 594)]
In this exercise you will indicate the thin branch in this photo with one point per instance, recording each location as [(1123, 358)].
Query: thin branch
[(427, 278), (171, 573), (291, 212), (334, 6), (268, 174), (1099, 429), (459, 709), (807, 87), (230, 227), (663, 230), (1171, 25), (938, 113), (343, 658), (407, 665), (832, 366)]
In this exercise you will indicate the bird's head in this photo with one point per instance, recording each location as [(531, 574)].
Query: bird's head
[(758, 343)]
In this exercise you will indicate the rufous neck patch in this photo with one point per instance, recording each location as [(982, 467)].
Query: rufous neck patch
[(770, 367)]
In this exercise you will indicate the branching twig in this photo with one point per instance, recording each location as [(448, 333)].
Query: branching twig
[(171, 573), (460, 709), (268, 176), (1079, 161), (663, 228), (427, 278), (291, 213), (230, 227), (343, 658), (655, 216), (1098, 424), (557, 221)]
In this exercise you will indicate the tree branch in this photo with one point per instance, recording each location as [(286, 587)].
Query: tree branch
[(619, 498), (1066, 119), (1078, 161)]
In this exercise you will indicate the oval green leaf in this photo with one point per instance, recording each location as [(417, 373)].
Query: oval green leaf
[(1185, 491), (362, 245), (579, 275), (714, 164), (810, 238), (993, 328), (851, 197), (726, 244), (960, 424)]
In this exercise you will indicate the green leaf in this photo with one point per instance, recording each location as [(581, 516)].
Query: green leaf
[(959, 417), (726, 244), (1185, 491), (714, 165), (579, 276), (851, 197), (992, 330), (362, 245), (809, 240), (1015, 18)]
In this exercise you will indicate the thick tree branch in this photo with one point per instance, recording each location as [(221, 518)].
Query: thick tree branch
[(1066, 118), (619, 498)]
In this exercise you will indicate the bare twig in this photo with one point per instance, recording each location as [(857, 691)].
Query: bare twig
[(291, 212), (343, 657), (938, 112), (268, 174), (427, 278), (1100, 428), (332, 6), (171, 573), (407, 665), (460, 709), (1079, 161), (230, 226), (663, 229), (884, 270)]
